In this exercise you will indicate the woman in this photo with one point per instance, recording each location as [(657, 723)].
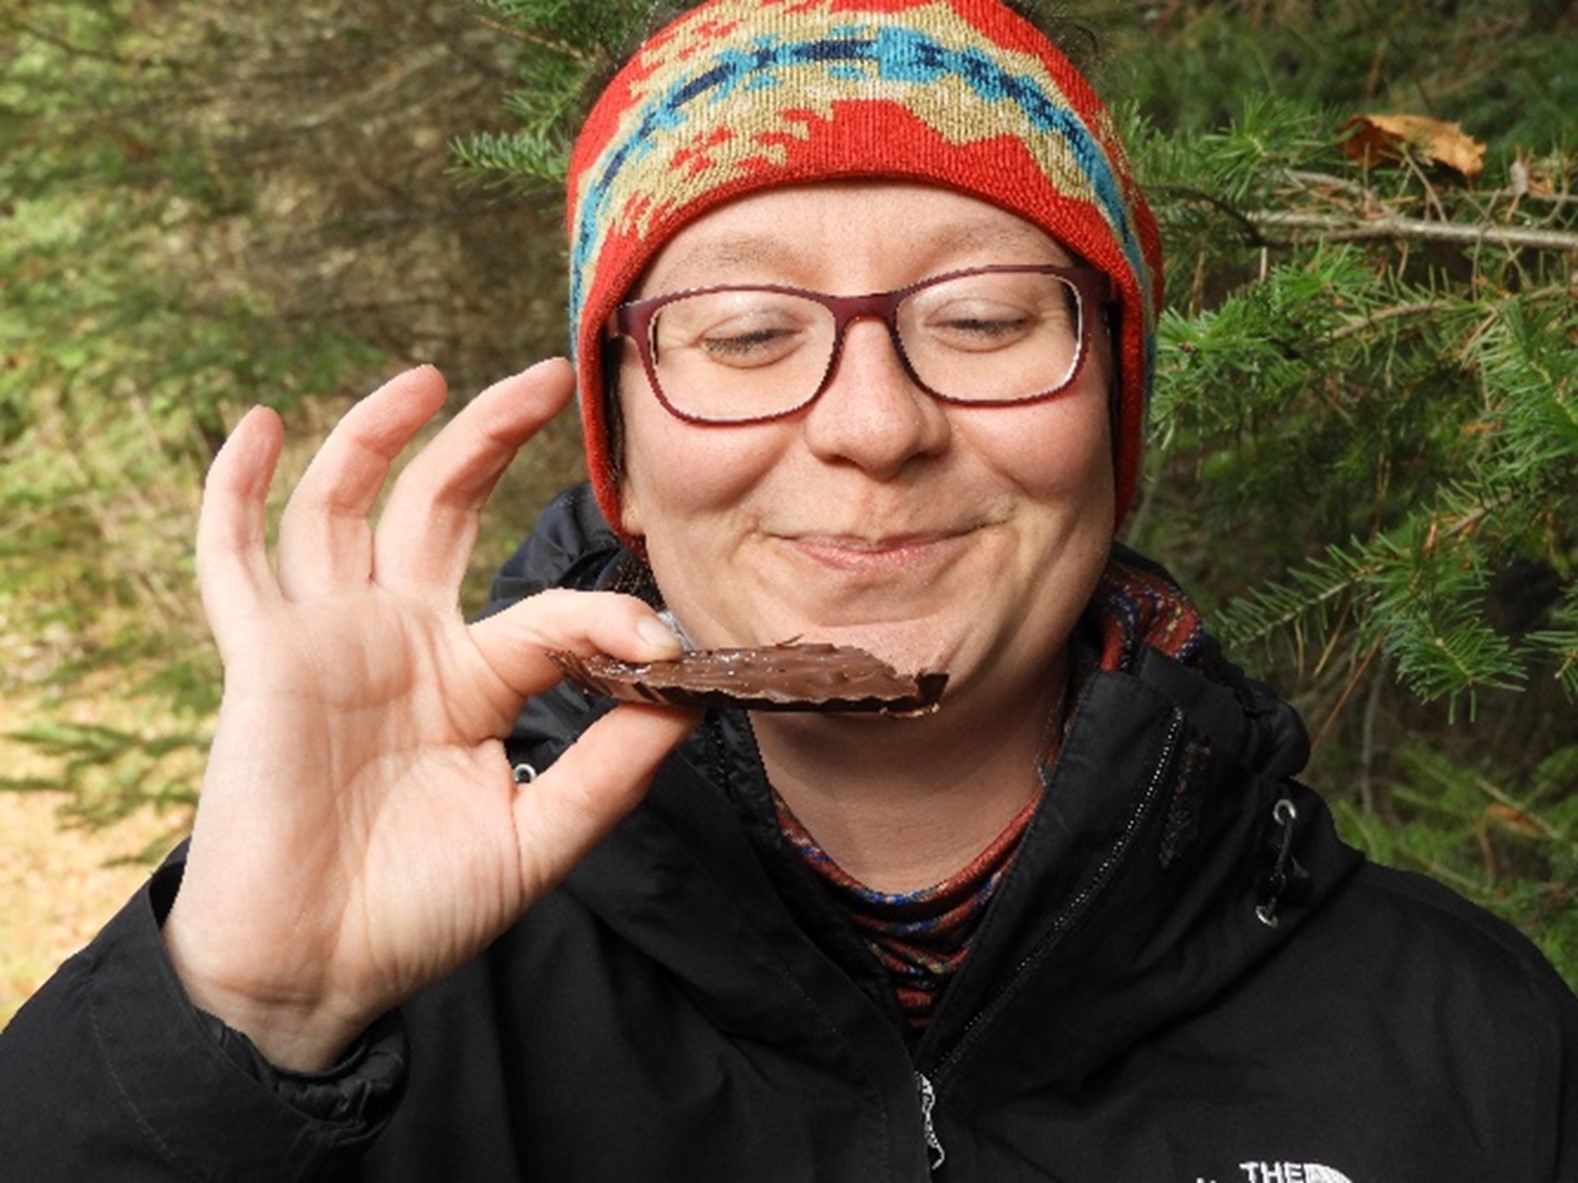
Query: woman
[(864, 300)]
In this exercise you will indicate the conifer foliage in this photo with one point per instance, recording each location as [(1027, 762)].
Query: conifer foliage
[(566, 46), (203, 207), (1367, 411)]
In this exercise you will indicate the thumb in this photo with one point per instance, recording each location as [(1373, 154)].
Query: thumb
[(561, 814)]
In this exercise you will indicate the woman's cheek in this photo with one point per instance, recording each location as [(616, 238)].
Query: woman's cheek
[(681, 478)]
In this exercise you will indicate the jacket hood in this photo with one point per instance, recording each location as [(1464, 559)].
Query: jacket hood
[(1170, 854)]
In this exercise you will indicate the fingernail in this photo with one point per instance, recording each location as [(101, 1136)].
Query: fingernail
[(657, 634)]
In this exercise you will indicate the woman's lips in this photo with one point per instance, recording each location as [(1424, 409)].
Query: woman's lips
[(887, 555)]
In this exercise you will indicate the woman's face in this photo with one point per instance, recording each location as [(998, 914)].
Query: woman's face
[(936, 535)]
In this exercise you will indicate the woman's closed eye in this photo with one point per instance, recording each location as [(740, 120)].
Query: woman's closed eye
[(731, 335), (749, 346), (979, 324), (978, 314)]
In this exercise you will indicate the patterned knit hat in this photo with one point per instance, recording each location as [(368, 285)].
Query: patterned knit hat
[(736, 96)]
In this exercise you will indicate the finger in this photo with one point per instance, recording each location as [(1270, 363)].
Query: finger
[(515, 642), (325, 538), (429, 523), (561, 814), (233, 573)]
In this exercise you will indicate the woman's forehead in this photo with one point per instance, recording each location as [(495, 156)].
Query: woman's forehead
[(819, 225)]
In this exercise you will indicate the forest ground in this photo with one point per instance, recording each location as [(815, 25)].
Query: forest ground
[(58, 884)]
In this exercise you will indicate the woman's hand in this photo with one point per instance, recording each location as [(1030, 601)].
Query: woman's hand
[(360, 833)]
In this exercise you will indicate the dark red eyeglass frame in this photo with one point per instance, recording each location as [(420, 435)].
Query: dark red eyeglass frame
[(1093, 288)]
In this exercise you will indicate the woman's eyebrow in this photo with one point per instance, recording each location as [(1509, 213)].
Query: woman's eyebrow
[(702, 261), (715, 259), (993, 233)]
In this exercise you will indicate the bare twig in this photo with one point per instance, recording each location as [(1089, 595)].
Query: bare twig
[(1250, 231), (552, 44), (1336, 228), (1397, 312)]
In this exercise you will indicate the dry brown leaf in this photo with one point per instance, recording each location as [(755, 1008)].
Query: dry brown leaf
[(1510, 817), (1376, 139)]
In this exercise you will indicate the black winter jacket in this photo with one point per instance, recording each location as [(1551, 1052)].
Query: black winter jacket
[(1185, 978)]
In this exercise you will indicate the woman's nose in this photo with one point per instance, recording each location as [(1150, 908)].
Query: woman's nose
[(871, 413)]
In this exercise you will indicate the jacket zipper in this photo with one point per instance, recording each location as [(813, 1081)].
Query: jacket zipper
[(1071, 912), (935, 1154)]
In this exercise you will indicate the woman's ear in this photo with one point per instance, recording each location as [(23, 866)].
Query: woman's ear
[(615, 355), (629, 510)]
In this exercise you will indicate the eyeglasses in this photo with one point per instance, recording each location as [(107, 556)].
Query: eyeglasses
[(987, 336)]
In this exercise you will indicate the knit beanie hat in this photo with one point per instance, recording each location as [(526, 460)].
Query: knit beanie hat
[(737, 96)]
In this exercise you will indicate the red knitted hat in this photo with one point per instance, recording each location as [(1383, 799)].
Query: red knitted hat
[(741, 95)]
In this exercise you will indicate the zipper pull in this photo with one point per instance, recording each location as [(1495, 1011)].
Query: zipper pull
[(928, 1102)]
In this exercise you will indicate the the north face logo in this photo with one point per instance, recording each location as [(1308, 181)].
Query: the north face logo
[(1290, 1172)]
